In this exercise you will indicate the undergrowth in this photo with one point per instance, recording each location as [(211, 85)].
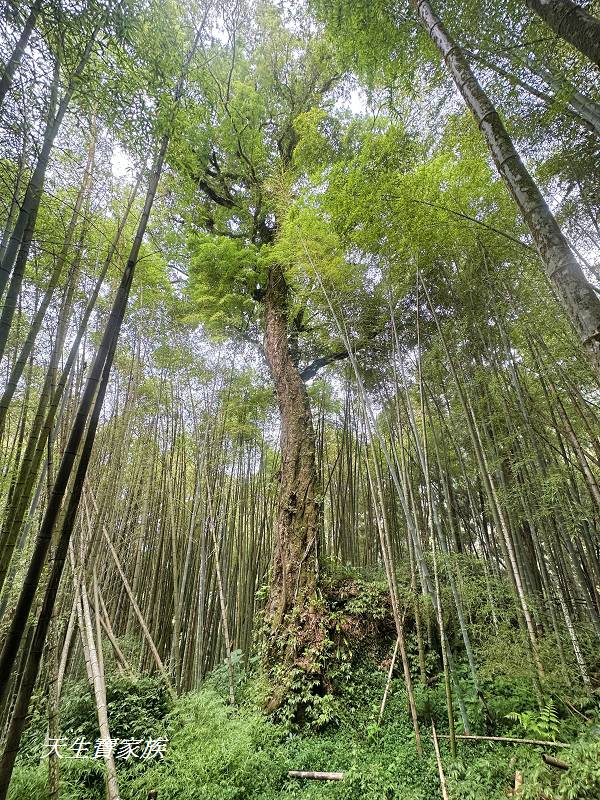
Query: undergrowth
[(216, 751), (219, 752)]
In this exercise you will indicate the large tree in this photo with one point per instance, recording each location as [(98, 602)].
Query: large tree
[(245, 149)]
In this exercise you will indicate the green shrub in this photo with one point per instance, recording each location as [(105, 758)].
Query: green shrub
[(485, 771), (580, 782), (213, 752), (136, 706), (28, 781)]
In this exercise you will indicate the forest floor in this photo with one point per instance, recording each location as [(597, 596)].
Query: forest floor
[(214, 751), (218, 752)]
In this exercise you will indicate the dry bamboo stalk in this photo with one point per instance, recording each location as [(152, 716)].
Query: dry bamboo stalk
[(317, 776), (105, 622), (440, 766), (94, 668), (518, 780), (388, 682), (472, 737)]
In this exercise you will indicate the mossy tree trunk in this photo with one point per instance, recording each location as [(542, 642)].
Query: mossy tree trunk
[(295, 562)]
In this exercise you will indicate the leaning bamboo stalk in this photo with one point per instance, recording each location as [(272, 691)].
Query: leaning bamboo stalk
[(136, 608), (438, 759), (105, 622), (577, 296), (472, 737), (95, 670), (388, 682), (67, 640), (49, 403)]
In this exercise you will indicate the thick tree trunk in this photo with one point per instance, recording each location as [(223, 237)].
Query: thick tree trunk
[(572, 23), (295, 563)]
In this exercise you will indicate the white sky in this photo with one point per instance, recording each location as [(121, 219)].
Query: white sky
[(121, 162)]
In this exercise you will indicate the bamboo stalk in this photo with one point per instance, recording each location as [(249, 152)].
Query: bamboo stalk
[(388, 682), (472, 737), (317, 776), (554, 762), (438, 760)]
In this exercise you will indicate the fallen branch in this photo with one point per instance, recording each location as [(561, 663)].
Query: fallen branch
[(317, 776), (554, 762), (504, 739)]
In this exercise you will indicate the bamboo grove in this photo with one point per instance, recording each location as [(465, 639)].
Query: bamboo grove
[(287, 291)]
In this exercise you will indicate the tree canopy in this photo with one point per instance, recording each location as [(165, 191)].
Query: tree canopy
[(299, 401)]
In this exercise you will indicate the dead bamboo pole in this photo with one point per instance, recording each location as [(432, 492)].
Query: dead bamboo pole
[(388, 682), (440, 766), (472, 737), (316, 776)]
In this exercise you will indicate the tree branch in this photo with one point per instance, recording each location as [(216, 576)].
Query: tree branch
[(313, 368), (215, 196), (339, 355), (473, 219)]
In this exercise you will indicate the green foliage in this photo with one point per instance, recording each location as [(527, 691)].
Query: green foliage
[(213, 753), (580, 782), (314, 150), (218, 680), (135, 708), (224, 275), (542, 724), (505, 694), (350, 629), (372, 43), (246, 402), (484, 772), (78, 781), (216, 751), (402, 774), (28, 782)]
